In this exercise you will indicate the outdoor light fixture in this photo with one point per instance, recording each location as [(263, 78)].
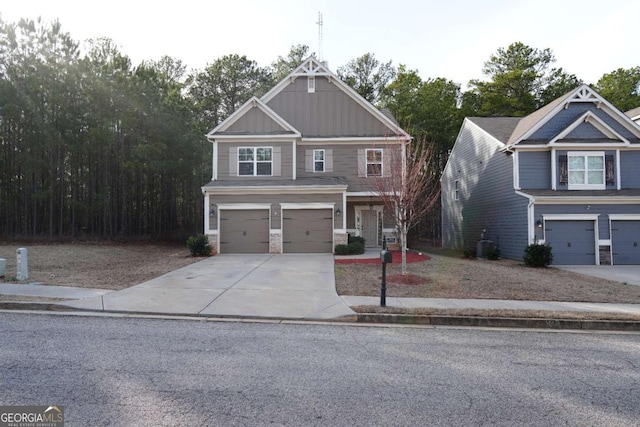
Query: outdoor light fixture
[(212, 210), (539, 224), (338, 212)]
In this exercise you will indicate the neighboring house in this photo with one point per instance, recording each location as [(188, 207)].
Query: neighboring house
[(634, 114), (567, 175), (294, 170)]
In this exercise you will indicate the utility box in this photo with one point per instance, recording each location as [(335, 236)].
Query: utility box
[(22, 264), (3, 266)]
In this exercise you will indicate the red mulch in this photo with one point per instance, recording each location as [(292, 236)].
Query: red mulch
[(407, 279), (397, 258)]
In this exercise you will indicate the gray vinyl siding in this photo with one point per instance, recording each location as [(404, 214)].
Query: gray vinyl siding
[(569, 115), (255, 121), (276, 199), (285, 166), (630, 169), (594, 209), (328, 112), (535, 170), (345, 164), (487, 198)]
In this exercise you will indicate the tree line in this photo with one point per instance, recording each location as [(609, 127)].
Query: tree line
[(93, 145)]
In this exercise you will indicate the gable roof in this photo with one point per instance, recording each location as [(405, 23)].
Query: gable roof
[(283, 128), (534, 121), (311, 67), (500, 128)]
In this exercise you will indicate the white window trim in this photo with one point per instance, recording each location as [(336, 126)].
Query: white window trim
[(367, 163), (311, 84), (324, 159), (586, 185), (255, 160), (456, 189)]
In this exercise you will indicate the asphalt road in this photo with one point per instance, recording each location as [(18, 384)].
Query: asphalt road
[(147, 372)]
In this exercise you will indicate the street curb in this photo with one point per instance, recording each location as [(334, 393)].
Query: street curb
[(501, 322)]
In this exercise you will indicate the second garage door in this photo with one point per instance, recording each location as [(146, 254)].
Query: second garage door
[(244, 231), (572, 242), (625, 242), (307, 230)]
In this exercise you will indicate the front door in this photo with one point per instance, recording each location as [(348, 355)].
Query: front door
[(370, 228)]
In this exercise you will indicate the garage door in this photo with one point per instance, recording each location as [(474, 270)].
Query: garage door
[(625, 242), (244, 231), (572, 242), (307, 230)]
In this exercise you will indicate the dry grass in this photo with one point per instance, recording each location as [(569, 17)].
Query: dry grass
[(450, 276), (96, 265)]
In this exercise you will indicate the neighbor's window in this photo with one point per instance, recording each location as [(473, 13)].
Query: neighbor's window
[(374, 162), (586, 170), (254, 161), (318, 160), (456, 190)]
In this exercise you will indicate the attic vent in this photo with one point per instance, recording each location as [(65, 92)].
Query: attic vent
[(311, 84)]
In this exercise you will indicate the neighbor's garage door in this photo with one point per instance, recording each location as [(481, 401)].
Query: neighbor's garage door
[(625, 242), (244, 231), (307, 230), (572, 242)]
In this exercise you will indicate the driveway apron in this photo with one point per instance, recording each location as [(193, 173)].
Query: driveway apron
[(283, 286)]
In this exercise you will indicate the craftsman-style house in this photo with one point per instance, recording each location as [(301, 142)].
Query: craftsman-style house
[(293, 169), (567, 175)]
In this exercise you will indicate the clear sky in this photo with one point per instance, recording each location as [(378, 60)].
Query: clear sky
[(439, 38)]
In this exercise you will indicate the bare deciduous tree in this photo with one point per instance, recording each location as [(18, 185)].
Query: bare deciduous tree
[(409, 186)]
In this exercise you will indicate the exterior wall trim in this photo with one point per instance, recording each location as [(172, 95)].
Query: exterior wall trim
[(280, 189), (624, 217), (244, 206), (284, 206)]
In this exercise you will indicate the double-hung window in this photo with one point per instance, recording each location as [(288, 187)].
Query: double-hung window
[(255, 161), (374, 162), (586, 170), (318, 161), (456, 190)]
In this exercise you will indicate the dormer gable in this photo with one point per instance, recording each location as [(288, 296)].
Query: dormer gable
[(254, 117), (611, 125), (589, 128)]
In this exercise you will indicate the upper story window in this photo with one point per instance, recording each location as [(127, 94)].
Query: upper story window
[(311, 84), (586, 170), (374, 162), (456, 189), (318, 161), (253, 161)]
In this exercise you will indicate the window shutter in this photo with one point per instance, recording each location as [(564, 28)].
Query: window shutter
[(308, 161), (608, 168), (328, 160), (277, 161), (233, 161), (362, 162), (563, 168), (387, 161)]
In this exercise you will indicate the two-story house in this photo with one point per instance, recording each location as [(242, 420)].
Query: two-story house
[(294, 170), (567, 175)]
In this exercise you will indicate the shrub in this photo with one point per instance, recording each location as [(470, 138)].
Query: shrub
[(536, 255), (342, 250), (469, 254), (494, 254), (355, 248), (356, 239), (199, 245)]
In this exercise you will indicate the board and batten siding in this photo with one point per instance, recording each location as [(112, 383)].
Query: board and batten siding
[(567, 116), (535, 170), (630, 169), (228, 160), (487, 201), (255, 121), (327, 112)]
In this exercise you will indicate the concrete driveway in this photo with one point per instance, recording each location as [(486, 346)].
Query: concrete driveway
[(629, 274), (285, 286)]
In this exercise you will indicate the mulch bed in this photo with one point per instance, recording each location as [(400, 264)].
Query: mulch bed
[(397, 258)]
